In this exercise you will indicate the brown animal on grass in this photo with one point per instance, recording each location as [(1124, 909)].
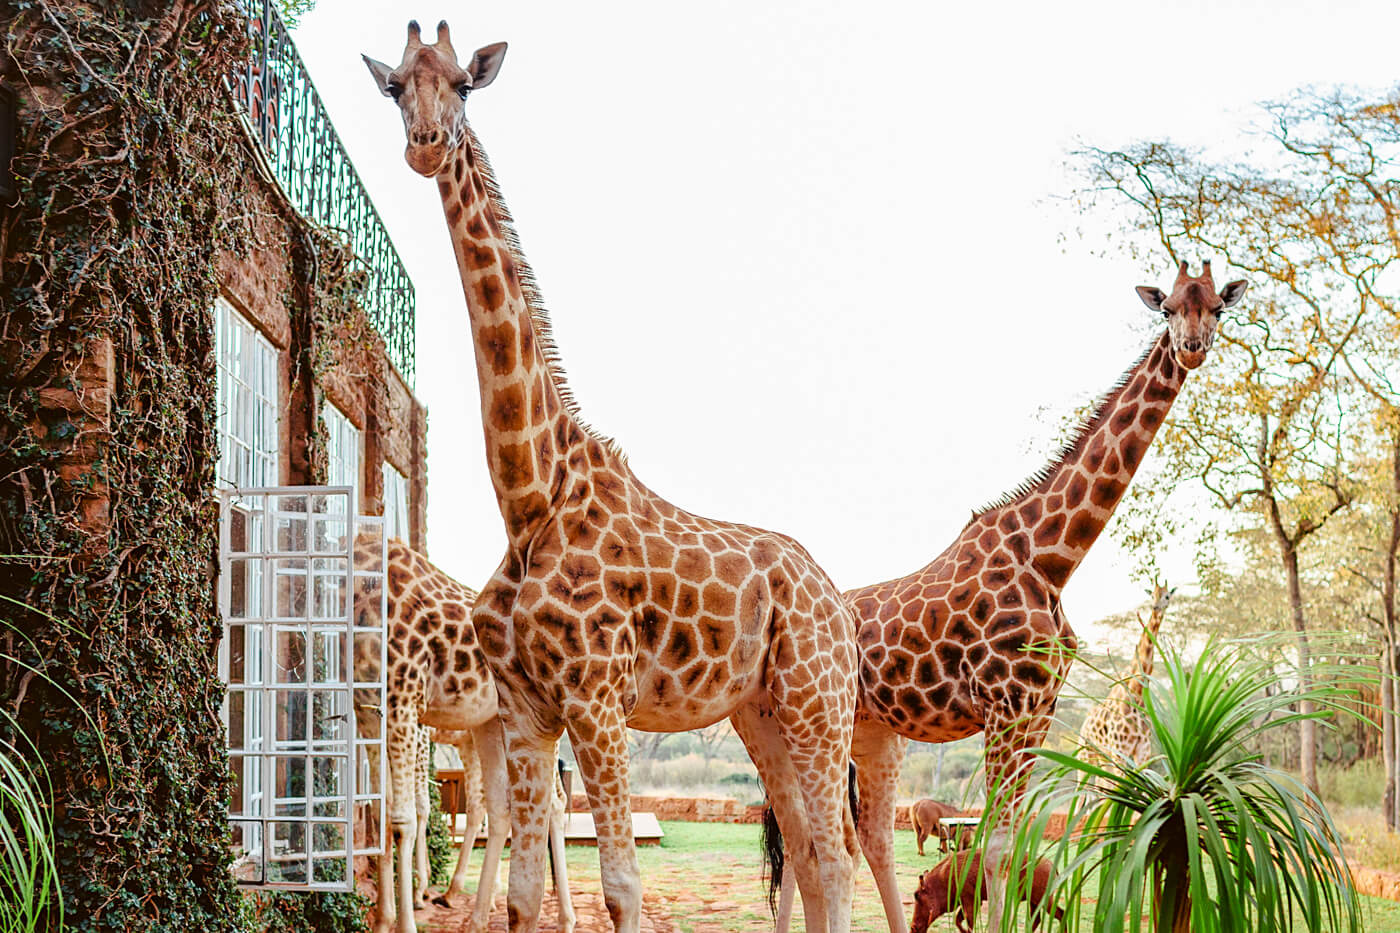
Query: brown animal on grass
[(927, 816), (960, 876)]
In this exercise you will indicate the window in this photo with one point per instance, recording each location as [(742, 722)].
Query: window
[(303, 659), (342, 449), (247, 400), (395, 503)]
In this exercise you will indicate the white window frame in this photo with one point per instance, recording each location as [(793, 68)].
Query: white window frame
[(289, 711), (396, 498), (247, 375), (343, 448)]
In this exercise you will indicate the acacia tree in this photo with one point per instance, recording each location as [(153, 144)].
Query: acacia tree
[(1267, 429)]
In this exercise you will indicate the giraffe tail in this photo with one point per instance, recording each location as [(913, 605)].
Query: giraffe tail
[(772, 841)]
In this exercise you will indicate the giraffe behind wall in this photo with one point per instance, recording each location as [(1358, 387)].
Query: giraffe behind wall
[(612, 607)]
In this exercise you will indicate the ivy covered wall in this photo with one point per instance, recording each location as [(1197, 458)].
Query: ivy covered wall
[(136, 187), (106, 447)]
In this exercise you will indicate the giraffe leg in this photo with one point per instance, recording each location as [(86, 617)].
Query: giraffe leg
[(600, 747), (386, 915), (472, 804), (423, 805), (787, 899), (761, 736), (403, 819), (815, 720), (1010, 734), (530, 763), (490, 743), (558, 806), (878, 754)]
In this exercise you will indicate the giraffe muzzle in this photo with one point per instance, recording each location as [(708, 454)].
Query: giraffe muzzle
[(428, 159), (1191, 358)]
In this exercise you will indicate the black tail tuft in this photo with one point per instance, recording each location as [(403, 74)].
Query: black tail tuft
[(772, 842), (853, 794)]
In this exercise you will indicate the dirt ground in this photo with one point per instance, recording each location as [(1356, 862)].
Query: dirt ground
[(706, 878), (588, 907)]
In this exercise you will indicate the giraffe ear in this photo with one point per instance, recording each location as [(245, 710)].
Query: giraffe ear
[(1233, 292), (1152, 297), (485, 63), (381, 73)]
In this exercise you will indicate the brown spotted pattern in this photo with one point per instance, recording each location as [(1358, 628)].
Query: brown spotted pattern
[(612, 607), (976, 641), (1115, 729)]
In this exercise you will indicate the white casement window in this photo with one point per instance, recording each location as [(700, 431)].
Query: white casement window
[(247, 400), (303, 660), (342, 448), (395, 503)]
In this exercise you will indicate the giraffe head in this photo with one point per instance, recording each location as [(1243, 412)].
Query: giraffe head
[(431, 90), (1192, 311)]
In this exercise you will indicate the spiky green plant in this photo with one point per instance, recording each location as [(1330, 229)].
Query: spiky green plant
[(29, 891), (30, 896), (1204, 836)]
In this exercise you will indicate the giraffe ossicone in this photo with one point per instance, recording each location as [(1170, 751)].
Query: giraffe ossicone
[(613, 607)]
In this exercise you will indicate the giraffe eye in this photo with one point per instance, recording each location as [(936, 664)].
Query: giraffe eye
[(463, 90), (394, 90)]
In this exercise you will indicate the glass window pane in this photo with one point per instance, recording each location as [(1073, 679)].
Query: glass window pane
[(245, 367)]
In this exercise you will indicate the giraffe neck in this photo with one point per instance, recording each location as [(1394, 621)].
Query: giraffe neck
[(1142, 659), (1066, 509), (526, 412)]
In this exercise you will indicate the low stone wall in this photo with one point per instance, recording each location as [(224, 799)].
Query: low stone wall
[(1376, 883), (686, 809)]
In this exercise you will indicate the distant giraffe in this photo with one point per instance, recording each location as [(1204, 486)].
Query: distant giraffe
[(976, 641), (1115, 729), (613, 607), (436, 676)]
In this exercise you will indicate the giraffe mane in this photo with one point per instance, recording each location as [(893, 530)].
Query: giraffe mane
[(534, 300), (1071, 448)]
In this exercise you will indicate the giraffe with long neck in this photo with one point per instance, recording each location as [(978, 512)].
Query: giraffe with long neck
[(1115, 730), (612, 607), (976, 641)]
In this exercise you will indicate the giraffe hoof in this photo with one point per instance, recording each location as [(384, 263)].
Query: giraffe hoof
[(442, 900)]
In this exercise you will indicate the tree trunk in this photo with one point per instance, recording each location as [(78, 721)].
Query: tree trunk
[(1388, 731), (1390, 734), (1393, 776), (1307, 728)]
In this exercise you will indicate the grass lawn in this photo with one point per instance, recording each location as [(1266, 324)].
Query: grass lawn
[(709, 874)]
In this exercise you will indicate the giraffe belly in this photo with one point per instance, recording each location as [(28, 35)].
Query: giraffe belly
[(692, 697), (907, 712)]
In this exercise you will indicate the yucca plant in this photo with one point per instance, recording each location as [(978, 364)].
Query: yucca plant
[(31, 898), (1203, 836), (29, 891)]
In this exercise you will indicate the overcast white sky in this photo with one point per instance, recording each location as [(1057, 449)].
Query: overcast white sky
[(806, 261)]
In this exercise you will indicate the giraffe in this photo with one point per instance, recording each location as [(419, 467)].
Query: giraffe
[(1115, 730), (976, 641), (437, 676), (613, 608)]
